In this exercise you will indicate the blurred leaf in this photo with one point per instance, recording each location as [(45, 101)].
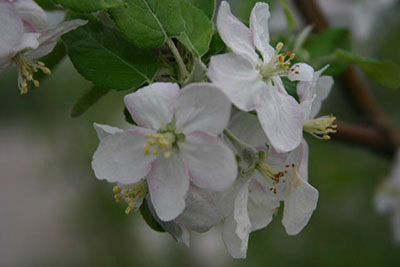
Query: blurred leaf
[(207, 6), (328, 42), (384, 72), (52, 60), (89, 6), (88, 99), (198, 29), (103, 56), (291, 88), (291, 20), (149, 23), (148, 217)]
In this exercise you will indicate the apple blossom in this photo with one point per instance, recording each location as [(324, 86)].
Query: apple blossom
[(176, 142), (28, 37), (312, 94), (387, 198), (252, 83), (272, 178)]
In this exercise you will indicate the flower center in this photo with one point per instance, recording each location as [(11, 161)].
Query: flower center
[(26, 70), (321, 127), (132, 194), (272, 175), (279, 65), (164, 141)]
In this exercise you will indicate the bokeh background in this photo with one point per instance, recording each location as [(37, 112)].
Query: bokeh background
[(54, 212)]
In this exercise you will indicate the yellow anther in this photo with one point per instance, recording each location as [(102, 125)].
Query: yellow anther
[(167, 154), (156, 152), (118, 198), (146, 150), (128, 210), (321, 127), (151, 142), (36, 83), (117, 189), (279, 46), (158, 142)]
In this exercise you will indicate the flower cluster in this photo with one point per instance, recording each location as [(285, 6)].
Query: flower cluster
[(199, 164), (26, 37)]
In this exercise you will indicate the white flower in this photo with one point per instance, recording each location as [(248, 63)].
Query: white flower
[(312, 94), (176, 141), (252, 83), (253, 201), (387, 198), (26, 37)]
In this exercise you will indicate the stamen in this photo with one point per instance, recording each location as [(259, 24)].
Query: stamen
[(26, 69), (132, 195), (159, 142), (321, 127)]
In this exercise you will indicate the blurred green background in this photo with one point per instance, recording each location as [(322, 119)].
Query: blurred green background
[(54, 211)]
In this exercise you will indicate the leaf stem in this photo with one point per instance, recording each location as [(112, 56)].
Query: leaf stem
[(181, 65), (246, 152)]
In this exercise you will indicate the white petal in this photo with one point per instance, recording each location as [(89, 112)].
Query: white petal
[(247, 128), (301, 72), (306, 90), (28, 41), (261, 206), (210, 162), (323, 88), (153, 106), (201, 211), (32, 15), (259, 27), (48, 37), (303, 167), (236, 246), (201, 106), (103, 130), (120, 158), (282, 120), (11, 30), (396, 225), (299, 206), (237, 78), (168, 183), (235, 34), (243, 225)]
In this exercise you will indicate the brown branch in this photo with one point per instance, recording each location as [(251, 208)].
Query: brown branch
[(382, 135)]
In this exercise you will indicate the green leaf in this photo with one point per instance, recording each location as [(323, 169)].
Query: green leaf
[(328, 41), (103, 56), (149, 23), (47, 4), (291, 88), (148, 217), (87, 6), (88, 99), (207, 6), (384, 72), (217, 46), (291, 20), (198, 29)]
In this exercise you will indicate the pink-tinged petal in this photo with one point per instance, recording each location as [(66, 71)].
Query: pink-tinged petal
[(323, 88), (48, 37), (120, 158), (238, 80), (28, 41), (11, 30), (210, 162), (299, 205), (103, 130), (153, 106), (281, 117), (235, 34), (201, 211), (32, 15), (301, 72), (259, 27), (168, 183), (247, 128), (202, 106)]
